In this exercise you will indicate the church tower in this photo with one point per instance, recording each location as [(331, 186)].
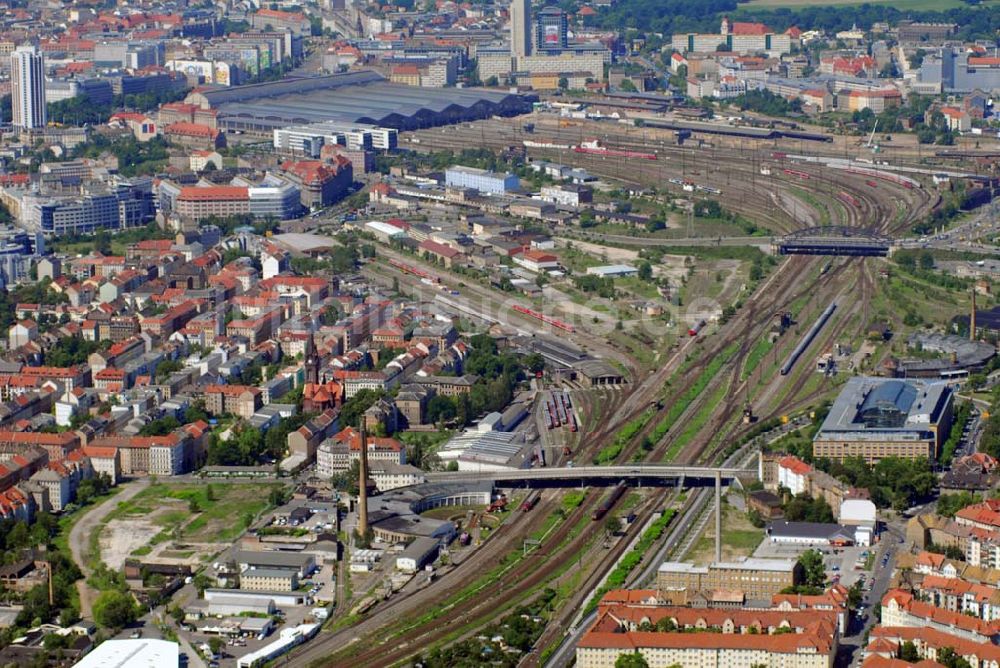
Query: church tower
[(312, 360)]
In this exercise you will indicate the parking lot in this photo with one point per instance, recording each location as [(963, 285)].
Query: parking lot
[(839, 561)]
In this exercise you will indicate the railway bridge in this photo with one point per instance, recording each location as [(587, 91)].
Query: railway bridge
[(656, 475), (834, 240)]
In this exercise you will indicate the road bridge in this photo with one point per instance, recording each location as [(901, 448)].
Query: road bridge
[(638, 475), (834, 240), (650, 475)]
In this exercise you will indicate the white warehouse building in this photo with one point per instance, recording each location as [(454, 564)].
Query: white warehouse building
[(482, 180)]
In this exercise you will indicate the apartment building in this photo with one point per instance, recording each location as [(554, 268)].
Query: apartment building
[(885, 642), (703, 637), (320, 184), (57, 446), (903, 609), (239, 400), (336, 454)]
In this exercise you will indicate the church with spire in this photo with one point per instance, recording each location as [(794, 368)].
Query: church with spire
[(318, 394)]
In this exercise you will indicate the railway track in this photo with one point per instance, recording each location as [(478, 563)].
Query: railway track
[(743, 329), (734, 171)]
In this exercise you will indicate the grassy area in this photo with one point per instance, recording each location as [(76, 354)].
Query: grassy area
[(739, 538), (610, 453), (68, 520), (681, 404), (186, 512), (697, 422), (756, 354), (821, 208)]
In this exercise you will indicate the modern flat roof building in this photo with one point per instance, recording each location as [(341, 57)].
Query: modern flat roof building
[(142, 652), (876, 418)]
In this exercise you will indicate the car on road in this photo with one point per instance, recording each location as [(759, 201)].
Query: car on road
[(136, 634)]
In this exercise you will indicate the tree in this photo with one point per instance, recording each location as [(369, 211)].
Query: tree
[(177, 613), (215, 643), (949, 658), (855, 595), (949, 504), (534, 362), (441, 409), (813, 569), (645, 271), (114, 609), (634, 660), (613, 525), (908, 652)]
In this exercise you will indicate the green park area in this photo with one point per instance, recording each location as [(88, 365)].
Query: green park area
[(190, 514)]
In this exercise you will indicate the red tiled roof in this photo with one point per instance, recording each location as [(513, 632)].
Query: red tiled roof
[(311, 171), (795, 465), (231, 390), (278, 14), (748, 28), (186, 129), (929, 612), (984, 651), (99, 452), (438, 249)]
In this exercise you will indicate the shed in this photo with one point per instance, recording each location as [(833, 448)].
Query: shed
[(613, 271), (858, 512), (417, 554)]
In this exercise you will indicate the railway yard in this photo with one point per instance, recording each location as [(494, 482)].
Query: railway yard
[(701, 397)]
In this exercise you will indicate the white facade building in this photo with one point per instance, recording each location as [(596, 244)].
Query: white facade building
[(27, 87)]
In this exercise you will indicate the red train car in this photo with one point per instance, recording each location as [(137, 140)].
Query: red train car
[(555, 322), (529, 504), (696, 328), (847, 198), (871, 183), (795, 172), (408, 269)]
